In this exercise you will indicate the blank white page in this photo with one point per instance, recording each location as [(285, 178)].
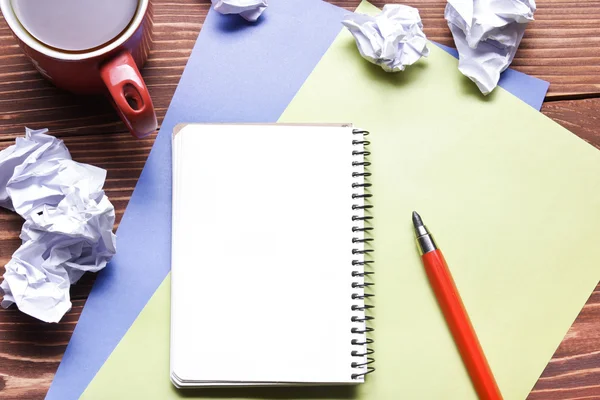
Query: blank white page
[(262, 254)]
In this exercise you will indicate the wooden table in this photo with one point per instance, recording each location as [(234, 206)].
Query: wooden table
[(561, 46)]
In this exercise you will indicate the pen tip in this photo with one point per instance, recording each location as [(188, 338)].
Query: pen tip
[(417, 221)]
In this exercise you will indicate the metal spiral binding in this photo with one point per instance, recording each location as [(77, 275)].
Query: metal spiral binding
[(360, 277)]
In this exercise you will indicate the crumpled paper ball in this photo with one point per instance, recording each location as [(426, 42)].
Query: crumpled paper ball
[(392, 39), (68, 224), (250, 10), (487, 34)]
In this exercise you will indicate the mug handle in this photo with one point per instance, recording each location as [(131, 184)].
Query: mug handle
[(129, 94)]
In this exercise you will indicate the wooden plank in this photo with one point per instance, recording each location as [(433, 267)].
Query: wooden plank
[(579, 116), (30, 351)]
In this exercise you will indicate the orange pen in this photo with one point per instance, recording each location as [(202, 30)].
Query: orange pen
[(455, 314)]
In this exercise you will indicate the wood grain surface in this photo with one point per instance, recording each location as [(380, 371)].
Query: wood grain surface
[(562, 46)]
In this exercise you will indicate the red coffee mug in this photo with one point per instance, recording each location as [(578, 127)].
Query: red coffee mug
[(112, 67)]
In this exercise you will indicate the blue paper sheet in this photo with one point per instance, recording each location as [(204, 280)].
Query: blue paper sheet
[(238, 72)]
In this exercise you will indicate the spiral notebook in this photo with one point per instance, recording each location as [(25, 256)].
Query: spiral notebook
[(271, 255)]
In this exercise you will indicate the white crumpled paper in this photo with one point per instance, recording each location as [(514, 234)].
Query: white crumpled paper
[(250, 10), (68, 224), (393, 39), (487, 34)]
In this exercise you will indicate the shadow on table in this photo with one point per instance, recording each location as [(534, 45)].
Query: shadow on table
[(233, 23), (300, 392)]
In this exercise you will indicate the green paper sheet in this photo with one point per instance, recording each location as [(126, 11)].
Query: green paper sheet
[(512, 198)]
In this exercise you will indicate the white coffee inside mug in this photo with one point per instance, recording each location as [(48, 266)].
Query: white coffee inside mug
[(75, 25)]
